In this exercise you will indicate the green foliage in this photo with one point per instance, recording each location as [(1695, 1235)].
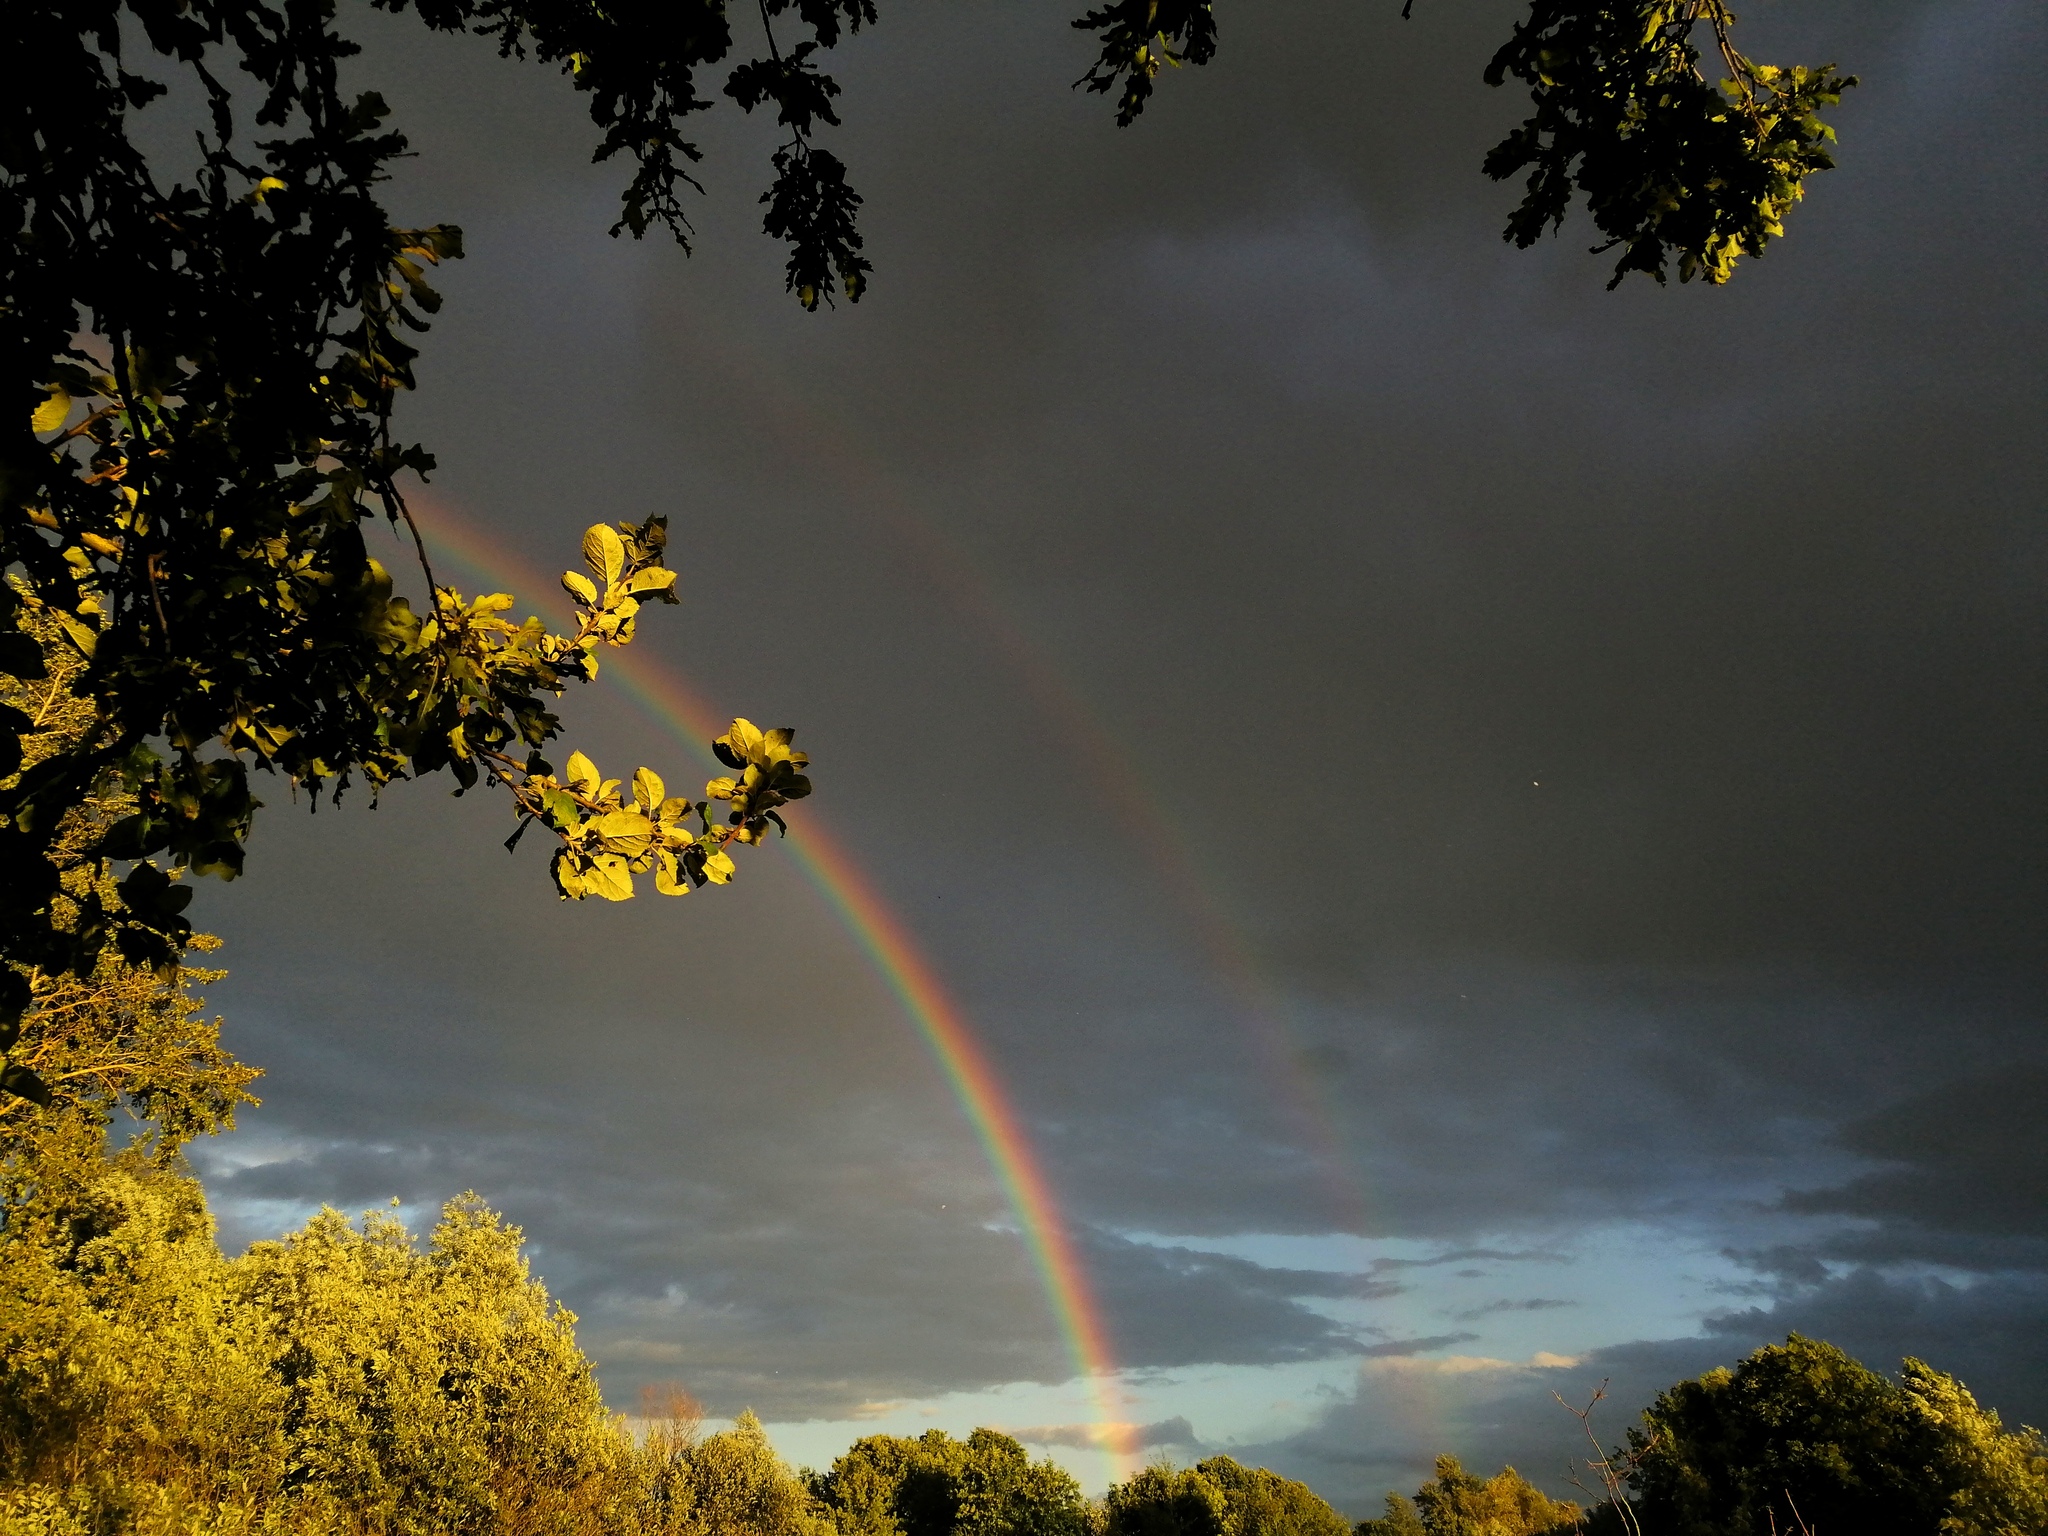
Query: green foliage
[(121, 1040), (203, 374), (1455, 1503), (343, 1379), (1401, 1519), (1257, 1502), (740, 1487), (1799, 1431), (1217, 1497), (1165, 1501), (985, 1485), (1670, 167), (86, 1043)]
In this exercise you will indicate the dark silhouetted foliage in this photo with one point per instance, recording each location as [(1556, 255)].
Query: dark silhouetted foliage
[(1674, 169)]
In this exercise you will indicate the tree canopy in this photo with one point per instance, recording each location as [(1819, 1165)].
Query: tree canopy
[(1799, 1431), (347, 1377), (934, 1485), (1455, 1503), (203, 369), (1217, 1496), (343, 1378)]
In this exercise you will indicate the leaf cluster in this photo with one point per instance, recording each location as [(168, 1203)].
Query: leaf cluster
[(1673, 170), (203, 375), (1138, 37)]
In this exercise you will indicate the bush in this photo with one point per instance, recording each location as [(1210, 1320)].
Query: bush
[(1217, 1497), (1455, 1503), (985, 1485), (342, 1379)]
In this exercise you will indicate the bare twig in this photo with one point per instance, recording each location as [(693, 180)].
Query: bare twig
[(145, 517), (395, 508), (1613, 1469)]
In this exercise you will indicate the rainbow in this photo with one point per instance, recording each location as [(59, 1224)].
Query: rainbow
[(881, 935), (812, 437)]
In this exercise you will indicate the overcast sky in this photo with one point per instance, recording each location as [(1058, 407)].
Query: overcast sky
[(1492, 829)]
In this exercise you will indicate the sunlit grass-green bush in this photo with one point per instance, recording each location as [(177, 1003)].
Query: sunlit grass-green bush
[(345, 1378)]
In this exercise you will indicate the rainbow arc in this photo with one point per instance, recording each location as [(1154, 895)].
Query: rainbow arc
[(890, 948)]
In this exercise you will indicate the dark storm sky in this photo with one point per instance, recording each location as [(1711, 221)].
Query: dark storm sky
[(1611, 724)]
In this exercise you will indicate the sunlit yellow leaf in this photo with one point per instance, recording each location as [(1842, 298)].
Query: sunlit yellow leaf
[(580, 587), (626, 832), (719, 868), (581, 772), (648, 789), (603, 553), (52, 413), (610, 878), (668, 875), (655, 579), (569, 878)]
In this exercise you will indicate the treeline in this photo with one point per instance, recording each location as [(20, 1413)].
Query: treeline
[(348, 1379), (1797, 1440)]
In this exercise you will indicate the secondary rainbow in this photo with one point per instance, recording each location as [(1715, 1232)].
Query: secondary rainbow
[(810, 435), (867, 916)]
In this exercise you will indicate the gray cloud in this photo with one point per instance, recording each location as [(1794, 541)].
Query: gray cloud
[(1381, 736), (1176, 1431), (1529, 1304), (1974, 1156), (1503, 1413), (1395, 1349), (1467, 1255)]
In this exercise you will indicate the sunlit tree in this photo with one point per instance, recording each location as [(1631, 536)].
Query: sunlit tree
[(1799, 1431), (935, 1485), (1218, 1496)]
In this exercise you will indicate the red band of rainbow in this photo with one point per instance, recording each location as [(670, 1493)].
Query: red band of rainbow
[(881, 935)]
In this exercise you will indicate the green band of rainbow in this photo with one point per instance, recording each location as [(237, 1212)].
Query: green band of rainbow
[(897, 959)]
